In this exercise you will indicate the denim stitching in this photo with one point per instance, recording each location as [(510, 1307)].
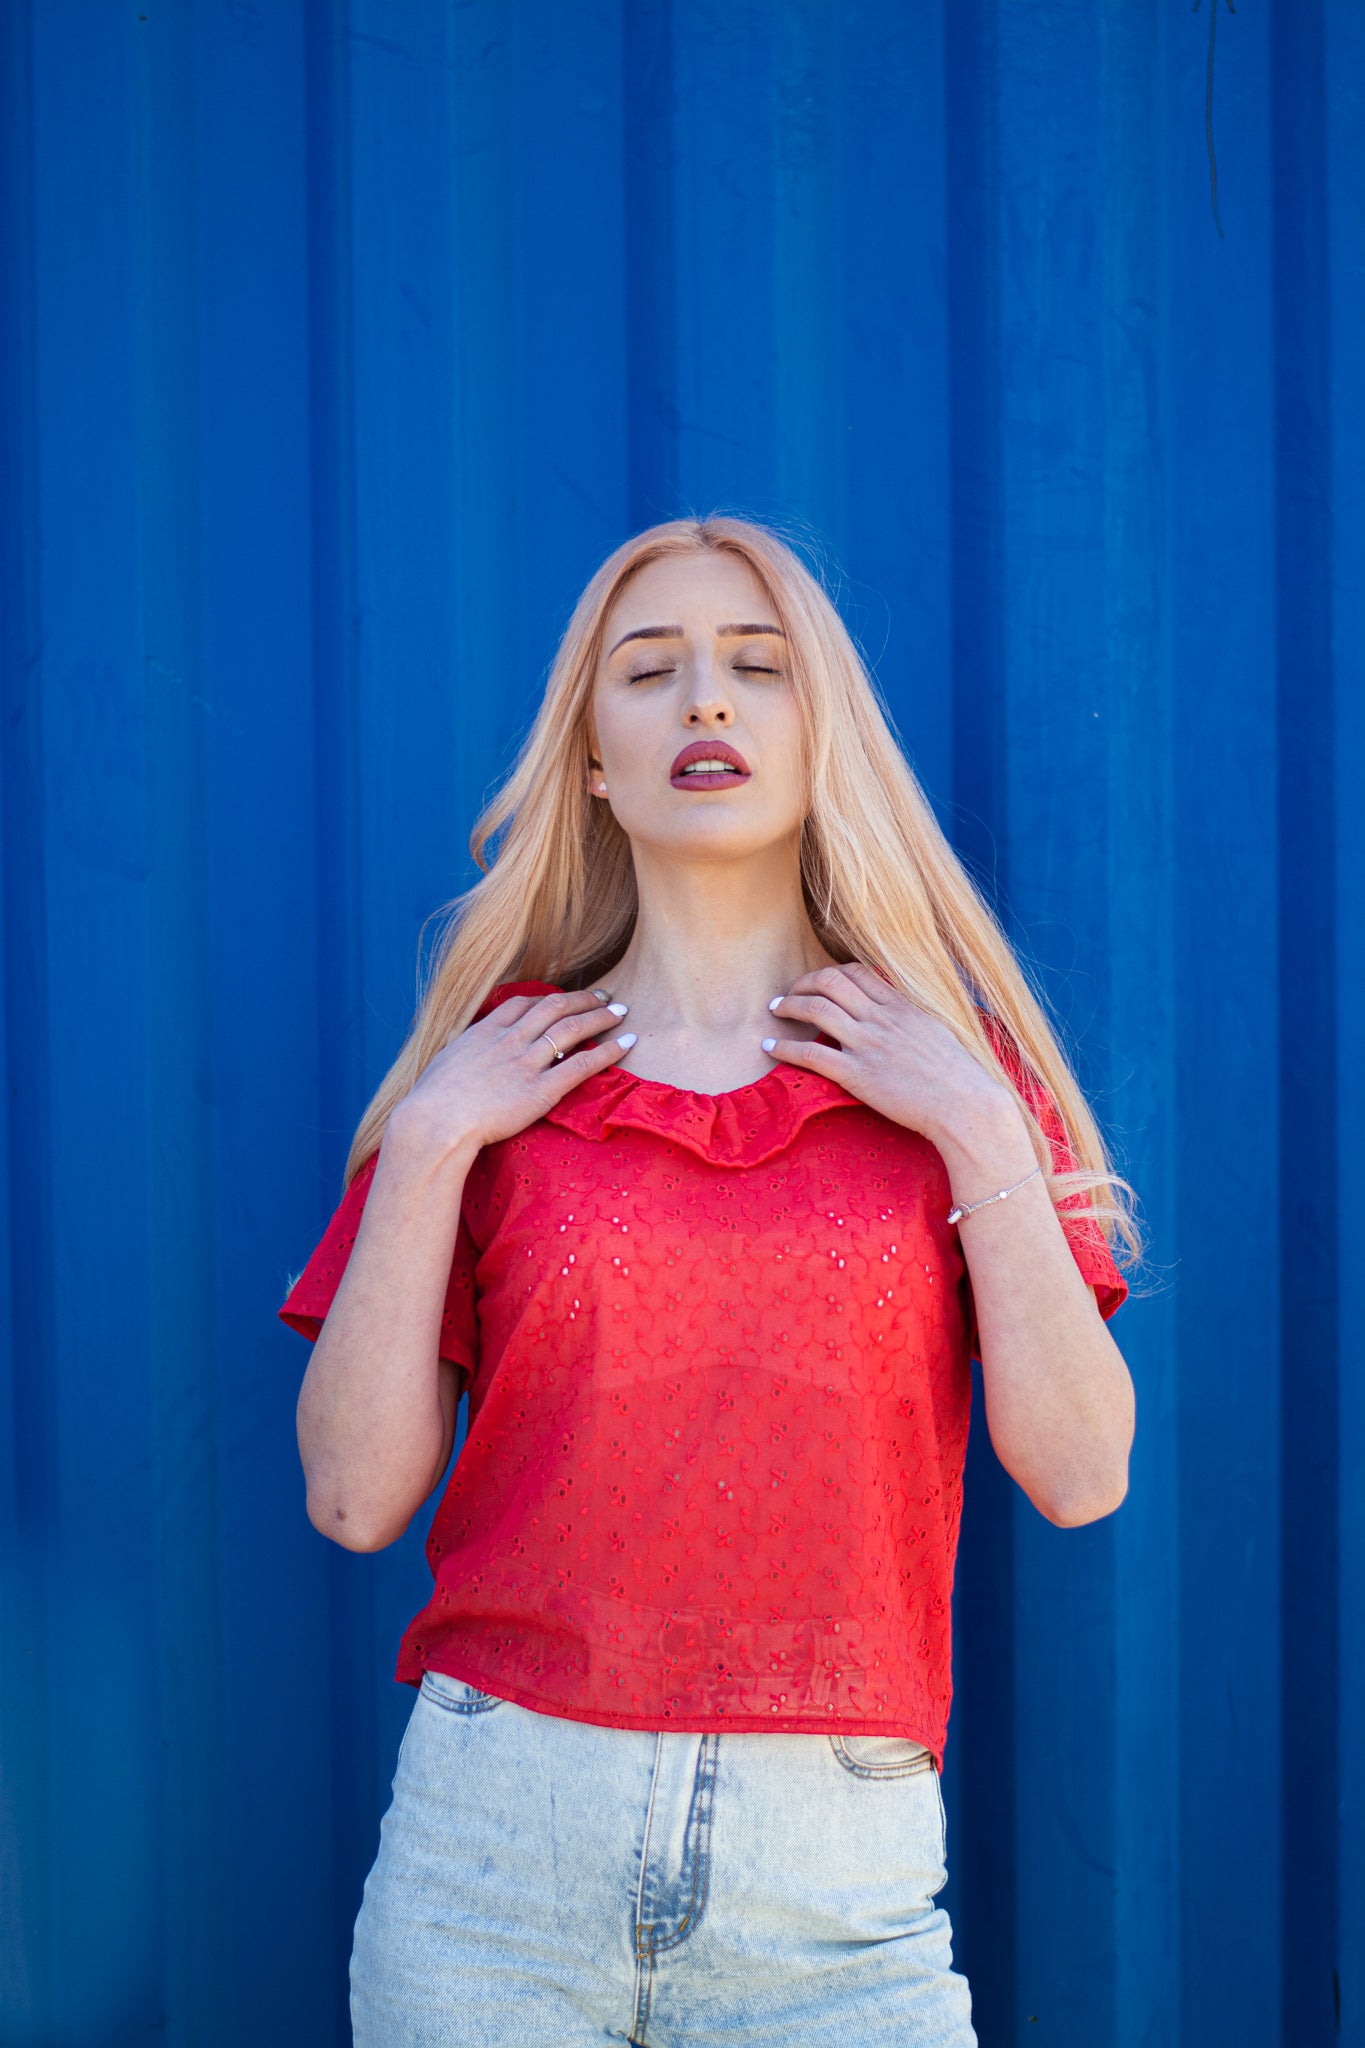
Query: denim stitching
[(644, 1956), (477, 1703), (859, 1770), (642, 2009), (397, 1769), (707, 1768), (943, 1835), (701, 1874)]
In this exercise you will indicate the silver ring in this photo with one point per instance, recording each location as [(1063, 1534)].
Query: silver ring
[(553, 1047)]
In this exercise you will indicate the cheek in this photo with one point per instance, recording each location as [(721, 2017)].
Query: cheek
[(624, 752), (785, 752), (628, 750), (605, 739), (623, 725)]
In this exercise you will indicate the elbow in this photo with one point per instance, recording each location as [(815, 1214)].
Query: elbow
[(350, 1526), (1073, 1507), (344, 1514)]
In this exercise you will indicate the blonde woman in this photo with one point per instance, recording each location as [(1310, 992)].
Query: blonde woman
[(727, 1132)]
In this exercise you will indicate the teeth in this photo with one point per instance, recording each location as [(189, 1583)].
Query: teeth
[(710, 768)]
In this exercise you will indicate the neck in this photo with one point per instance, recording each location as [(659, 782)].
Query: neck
[(713, 943)]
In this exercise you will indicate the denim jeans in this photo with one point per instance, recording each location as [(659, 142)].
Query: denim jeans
[(546, 1883)]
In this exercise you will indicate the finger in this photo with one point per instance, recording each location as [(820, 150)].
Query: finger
[(567, 1073), (569, 1003), (567, 1033), (874, 986), (808, 1052), (832, 983), (822, 1011), (507, 1012)]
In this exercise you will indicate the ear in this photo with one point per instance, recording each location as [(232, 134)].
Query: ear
[(597, 781)]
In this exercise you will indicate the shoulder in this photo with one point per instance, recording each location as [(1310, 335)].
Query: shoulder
[(505, 989), (358, 1186), (1006, 1051)]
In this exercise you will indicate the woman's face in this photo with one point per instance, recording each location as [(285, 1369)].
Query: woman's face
[(695, 729)]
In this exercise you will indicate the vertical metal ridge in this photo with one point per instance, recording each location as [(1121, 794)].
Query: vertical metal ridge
[(29, 1506), (649, 171), (334, 798), (1140, 888), (983, 1765), (1343, 203), (165, 226), (1310, 1238)]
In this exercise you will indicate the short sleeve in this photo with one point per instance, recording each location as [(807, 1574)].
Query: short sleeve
[(311, 1294), (1089, 1245), (505, 989)]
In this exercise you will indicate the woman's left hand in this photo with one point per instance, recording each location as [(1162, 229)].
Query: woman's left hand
[(1059, 1398), (890, 1053)]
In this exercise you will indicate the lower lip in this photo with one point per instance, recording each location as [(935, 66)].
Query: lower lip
[(723, 778)]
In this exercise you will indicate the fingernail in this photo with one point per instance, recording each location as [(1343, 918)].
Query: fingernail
[(617, 1009), (769, 1044), (626, 1040), (601, 994), (774, 1003)]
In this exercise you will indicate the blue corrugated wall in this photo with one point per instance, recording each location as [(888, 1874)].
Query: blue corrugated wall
[(341, 340)]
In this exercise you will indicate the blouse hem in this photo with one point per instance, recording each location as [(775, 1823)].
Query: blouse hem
[(410, 1673)]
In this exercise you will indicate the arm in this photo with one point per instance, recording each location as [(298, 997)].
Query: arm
[(1059, 1399), (376, 1412)]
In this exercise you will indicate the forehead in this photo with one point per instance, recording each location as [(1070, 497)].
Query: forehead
[(696, 592)]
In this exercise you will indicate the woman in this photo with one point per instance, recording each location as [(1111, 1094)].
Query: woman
[(756, 1137)]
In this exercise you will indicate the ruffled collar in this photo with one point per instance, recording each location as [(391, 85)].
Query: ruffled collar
[(743, 1127)]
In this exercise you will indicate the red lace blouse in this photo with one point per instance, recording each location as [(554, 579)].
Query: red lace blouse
[(718, 1356)]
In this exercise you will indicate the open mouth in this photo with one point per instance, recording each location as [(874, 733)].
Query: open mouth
[(708, 764)]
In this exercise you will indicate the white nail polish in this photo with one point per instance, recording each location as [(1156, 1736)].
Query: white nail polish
[(769, 1044), (626, 1041), (617, 1009), (774, 1003)]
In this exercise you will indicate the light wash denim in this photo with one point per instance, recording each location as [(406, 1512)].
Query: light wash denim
[(545, 1883)]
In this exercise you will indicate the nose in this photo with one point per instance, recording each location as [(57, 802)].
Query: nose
[(708, 699)]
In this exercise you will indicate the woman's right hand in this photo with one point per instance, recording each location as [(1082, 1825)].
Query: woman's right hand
[(497, 1076)]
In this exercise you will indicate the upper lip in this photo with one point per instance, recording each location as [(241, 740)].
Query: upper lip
[(709, 750)]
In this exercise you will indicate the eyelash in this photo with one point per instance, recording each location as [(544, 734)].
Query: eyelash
[(741, 669)]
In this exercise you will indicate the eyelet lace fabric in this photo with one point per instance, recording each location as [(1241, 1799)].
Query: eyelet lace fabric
[(718, 1356)]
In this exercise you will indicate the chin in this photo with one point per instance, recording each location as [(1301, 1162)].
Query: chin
[(709, 834)]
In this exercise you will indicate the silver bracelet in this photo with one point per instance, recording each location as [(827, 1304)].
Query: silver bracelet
[(966, 1208)]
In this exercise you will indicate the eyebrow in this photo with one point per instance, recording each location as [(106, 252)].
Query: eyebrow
[(676, 633)]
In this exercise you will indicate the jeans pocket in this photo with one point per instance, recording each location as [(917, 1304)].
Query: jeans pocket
[(942, 1818), (881, 1756), (457, 1695)]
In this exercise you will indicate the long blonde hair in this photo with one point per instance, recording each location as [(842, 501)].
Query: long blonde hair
[(557, 900)]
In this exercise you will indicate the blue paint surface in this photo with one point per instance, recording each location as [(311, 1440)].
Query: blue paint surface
[(344, 339)]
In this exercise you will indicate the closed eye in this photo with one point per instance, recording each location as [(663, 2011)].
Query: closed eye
[(645, 675)]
